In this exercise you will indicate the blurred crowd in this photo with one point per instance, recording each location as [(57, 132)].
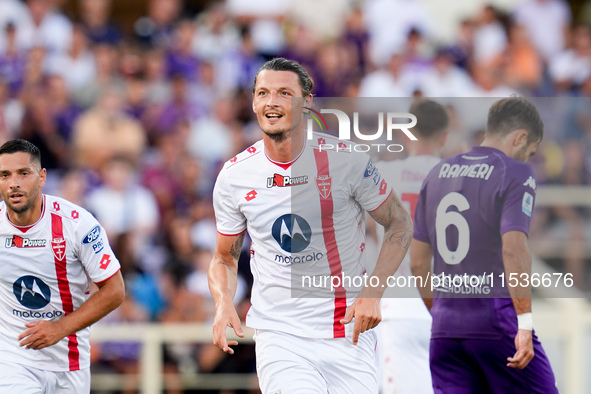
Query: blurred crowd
[(134, 124)]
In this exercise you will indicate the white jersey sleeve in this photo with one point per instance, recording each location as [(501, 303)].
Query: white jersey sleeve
[(371, 189), (229, 219), (93, 249)]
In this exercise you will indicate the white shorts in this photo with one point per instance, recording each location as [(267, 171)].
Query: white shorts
[(21, 379), (288, 364), (404, 354)]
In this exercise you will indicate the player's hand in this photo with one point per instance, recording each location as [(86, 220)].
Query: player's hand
[(366, 312), (41, 334), (525, 350), (226, 316)]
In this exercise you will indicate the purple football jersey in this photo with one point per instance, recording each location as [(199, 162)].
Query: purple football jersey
[(466, 204)]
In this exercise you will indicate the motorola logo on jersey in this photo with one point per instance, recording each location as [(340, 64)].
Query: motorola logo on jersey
[(31, 292), (20, 242), (292, 232)]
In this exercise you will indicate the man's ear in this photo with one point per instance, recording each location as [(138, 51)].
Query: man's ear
[(309, 101), (520, 138), (42, 177)]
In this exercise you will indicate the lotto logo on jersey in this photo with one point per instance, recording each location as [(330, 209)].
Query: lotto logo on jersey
[(31, 292), (20, 242), (283, 181)]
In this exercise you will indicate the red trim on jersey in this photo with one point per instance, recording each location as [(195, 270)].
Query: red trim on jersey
[(285, 166), (104, 280), (232, 235), (332, 250), (382, 203), (24, 229), (63, 284), (232, 163)]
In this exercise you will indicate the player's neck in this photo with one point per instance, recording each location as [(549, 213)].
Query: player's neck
[(423, 149), (285, 150), (30, 216), (499, 144)]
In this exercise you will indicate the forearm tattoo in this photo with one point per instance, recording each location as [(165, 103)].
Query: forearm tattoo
[(237, 247), (396, 222)]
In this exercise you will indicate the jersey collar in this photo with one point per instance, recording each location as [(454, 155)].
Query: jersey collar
[(288, 164), (24, 229)]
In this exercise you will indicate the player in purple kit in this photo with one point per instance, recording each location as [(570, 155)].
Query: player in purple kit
[(473, 217)]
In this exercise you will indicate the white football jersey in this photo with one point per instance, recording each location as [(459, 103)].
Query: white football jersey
[(45, 273), (305, 219), (407, 175)]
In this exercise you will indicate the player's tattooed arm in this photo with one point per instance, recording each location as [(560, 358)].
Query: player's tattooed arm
[(396, 221), (237, 246), (397, 236), (227, 252), (398, 232), (235, 249)]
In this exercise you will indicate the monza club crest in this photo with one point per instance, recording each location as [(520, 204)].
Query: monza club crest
[(58, 247), (324, 185)]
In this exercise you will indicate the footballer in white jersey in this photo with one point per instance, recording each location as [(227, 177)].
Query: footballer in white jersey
[(75, 251), (282, 207), (303, 202), (51, 252)]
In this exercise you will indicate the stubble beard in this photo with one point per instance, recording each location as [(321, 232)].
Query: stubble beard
[(281, 135), (23, 207), (278, 136)]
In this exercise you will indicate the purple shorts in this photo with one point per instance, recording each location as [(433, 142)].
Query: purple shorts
[(465, 366)]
